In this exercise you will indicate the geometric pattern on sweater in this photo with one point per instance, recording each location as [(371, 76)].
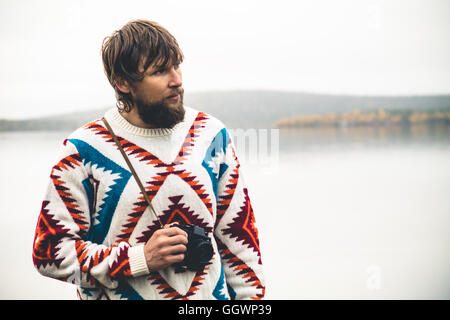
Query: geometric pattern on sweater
[(83, 233), (66, 164), (119, 267), (157, 181), (46, 248), (220, 290), (119, 178), (169, 292), (243, 227), (176, 212), (133, 150), (240, 268), (224, 200), (215, 151), (49, 231)]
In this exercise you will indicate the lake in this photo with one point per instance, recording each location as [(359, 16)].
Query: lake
[(349, 213)]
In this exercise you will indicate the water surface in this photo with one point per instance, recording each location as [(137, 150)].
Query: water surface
[(353, 213)]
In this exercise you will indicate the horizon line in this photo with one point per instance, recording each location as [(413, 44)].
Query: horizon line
[(194, 92)]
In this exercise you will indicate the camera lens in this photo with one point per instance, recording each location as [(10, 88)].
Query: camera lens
[(204, 251)]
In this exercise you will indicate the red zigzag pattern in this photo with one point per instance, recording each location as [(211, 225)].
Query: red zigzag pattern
[(69, 162), (119, 267), (157, 181), (171, 293), (49, 233), (241, 268), (224, 200)]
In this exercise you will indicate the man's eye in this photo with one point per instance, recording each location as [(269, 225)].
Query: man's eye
[(160, 71), (164, 70)]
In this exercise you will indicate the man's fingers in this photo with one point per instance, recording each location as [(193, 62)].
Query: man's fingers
[(177, 239), (173, 231), (177, 249), (174, 258), (169, 225)]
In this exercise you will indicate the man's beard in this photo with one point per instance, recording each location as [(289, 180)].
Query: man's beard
[(160, 114)]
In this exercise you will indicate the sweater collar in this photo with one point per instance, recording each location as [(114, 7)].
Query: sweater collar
[(114, 116)]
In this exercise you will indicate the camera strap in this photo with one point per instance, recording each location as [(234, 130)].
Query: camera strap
[(138, 181)]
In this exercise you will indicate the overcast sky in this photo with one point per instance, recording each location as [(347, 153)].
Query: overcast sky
[(50, 50)]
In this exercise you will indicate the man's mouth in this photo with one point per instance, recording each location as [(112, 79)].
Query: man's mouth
[(173, 97)]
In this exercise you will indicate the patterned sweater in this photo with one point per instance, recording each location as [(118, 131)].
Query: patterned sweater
[(94, 220)]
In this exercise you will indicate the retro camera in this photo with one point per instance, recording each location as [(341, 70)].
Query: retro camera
[(199, 248)]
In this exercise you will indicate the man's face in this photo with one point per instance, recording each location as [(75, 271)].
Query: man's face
[(158, 98)]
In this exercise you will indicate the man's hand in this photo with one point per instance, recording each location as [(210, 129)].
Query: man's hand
[(165, 247)]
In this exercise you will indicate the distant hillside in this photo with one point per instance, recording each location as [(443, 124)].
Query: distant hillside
[(261, 109), (254, 109)]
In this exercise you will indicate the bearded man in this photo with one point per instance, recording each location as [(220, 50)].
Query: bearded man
[(149, 201)]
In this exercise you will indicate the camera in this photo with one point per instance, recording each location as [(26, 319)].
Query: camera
[(199, 249)]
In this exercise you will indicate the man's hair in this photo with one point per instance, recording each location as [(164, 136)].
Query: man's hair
[(138, 43)]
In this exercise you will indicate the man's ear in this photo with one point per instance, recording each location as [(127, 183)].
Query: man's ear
[(122, 85)]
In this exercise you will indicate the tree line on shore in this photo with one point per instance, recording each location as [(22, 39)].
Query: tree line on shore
[(366, 118)]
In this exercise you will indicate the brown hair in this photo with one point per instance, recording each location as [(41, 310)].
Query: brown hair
[(139, 42)]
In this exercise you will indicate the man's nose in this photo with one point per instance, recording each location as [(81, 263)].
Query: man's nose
[(175, 77)]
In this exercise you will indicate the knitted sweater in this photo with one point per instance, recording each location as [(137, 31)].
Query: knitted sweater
[(94, 220)]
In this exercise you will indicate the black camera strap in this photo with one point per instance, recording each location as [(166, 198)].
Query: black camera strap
[(138, 181)]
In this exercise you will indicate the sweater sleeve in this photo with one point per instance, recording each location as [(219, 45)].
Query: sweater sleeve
[(62, 248), (235, 230)]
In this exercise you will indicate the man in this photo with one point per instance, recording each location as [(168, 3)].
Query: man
[(97, 230)]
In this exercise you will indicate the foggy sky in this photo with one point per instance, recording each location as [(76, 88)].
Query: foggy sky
[(50, 50)]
